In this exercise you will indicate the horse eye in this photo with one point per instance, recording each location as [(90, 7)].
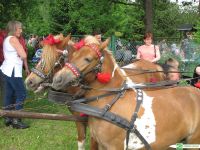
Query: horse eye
[(88, 60)]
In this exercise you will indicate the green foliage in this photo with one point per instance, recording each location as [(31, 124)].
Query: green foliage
[(31, 52), (197, 34), (42, 17)]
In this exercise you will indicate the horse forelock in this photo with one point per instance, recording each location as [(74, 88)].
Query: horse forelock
[(89, 39)]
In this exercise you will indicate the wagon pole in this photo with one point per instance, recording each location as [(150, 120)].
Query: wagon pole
[(47, 116)]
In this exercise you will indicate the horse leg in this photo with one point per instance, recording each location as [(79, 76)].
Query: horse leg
[(93, 144), (81, 129)]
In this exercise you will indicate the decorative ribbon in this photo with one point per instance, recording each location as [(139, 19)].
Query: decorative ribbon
[(51, 40)]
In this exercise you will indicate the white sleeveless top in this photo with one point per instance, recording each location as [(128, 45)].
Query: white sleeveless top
[(11, 60)]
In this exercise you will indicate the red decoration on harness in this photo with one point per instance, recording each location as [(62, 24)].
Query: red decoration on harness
[(103, 77), (80, 44), (96, 49), (51, 40), (197, 84), (153, 80), (73, 69), (83, 115)]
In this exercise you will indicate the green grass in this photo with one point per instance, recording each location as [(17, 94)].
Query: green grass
[(42, 134)]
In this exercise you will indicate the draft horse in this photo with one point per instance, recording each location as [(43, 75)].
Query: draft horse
[(51, 61), (129, 117)]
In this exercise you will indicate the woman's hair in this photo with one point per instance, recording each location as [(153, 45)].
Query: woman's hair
[(148, 35), (12, 25)]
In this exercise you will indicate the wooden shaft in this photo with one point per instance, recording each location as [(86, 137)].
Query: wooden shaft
[(33, 115)]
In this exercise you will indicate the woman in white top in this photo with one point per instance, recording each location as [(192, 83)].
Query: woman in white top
[(14, 56)]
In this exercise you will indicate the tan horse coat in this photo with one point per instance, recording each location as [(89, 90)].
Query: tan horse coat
[(169, 115)]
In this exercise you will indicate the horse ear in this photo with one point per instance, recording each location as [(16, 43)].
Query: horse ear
[(105, 44), (64, 42)]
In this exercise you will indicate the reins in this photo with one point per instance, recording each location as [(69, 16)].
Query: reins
[(103, 113), (155, 71)]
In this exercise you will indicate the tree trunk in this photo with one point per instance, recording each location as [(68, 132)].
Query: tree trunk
[(148, 19), (199, 8)]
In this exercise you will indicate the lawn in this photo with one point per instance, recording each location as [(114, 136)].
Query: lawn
[(42, 134)]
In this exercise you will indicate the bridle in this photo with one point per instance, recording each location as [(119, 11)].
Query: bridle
[(79, 75), (39, 69)]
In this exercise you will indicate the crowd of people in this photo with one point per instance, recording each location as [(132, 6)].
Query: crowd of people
[(13, 58)]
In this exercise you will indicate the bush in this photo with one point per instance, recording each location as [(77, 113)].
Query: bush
[(31, 52)]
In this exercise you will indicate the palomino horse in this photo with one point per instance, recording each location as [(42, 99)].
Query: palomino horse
[(50, 57), (161, 117), (143, 71), (51, 62)]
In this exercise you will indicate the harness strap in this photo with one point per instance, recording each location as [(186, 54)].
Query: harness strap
[(168, 83), (132, 128), (109, 105), (93, 98), (97, 112), (108, 116), (39, 73)]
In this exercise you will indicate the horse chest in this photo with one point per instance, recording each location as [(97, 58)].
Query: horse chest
[(146, 125)]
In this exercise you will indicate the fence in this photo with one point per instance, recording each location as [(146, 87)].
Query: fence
[(186, 50)]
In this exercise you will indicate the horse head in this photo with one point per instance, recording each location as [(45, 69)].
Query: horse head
[(50, 61), (85, 64)]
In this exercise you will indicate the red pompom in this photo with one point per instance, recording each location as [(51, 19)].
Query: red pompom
[(153, 80), (51, 40), (103, 77), (80, 44), (83, 115), (197, 84)]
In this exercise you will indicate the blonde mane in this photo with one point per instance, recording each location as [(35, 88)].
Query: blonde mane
[(50, 55)]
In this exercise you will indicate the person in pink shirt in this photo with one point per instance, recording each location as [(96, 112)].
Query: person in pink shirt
[(148, 51)]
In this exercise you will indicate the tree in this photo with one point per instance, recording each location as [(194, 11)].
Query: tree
[(148, 19)]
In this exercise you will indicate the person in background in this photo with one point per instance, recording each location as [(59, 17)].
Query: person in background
[(3, 34), (14, 57), (148, 51), (173, 69), (196, 77), (98, 35)]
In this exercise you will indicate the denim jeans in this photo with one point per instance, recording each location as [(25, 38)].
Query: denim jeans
[(2, 89), (15, 92)]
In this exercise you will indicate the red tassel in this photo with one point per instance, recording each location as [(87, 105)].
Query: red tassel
[(197, 84), (51, 40), (80, 44), (103, 77), (153, 80)]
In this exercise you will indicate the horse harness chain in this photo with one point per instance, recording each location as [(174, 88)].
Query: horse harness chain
[(80, 105)]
